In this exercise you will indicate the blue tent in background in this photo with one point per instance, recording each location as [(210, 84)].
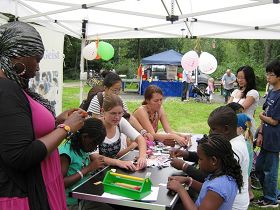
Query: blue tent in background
[(169, 57)]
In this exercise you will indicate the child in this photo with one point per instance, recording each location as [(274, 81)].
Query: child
[(236, 107), (210, 89), (269, 139), (74, 157), (225, 177), (223, 121), (243, 128)]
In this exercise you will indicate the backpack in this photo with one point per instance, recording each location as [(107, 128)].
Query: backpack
[(96, 90)]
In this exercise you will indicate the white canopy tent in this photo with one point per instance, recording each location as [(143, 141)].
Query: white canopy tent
[(117, 19), (120, 19)]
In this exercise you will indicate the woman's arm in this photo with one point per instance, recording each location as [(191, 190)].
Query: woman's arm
[(141, 115), (134, 122), (248, 102), (128, 165), (75, 121), (130, 147), (128, 130)]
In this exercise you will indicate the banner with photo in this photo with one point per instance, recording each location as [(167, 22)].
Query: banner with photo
[(49, 80)]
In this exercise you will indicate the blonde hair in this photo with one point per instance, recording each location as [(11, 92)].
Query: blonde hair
[(111, 101), (247, 133), (211, 79)]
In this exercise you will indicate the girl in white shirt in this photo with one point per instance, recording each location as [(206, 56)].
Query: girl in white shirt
[(246, 94), (115, 125)]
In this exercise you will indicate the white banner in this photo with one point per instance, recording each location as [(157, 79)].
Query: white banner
[(49, 80)]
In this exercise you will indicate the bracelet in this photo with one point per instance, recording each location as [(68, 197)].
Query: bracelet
[(143, 132), (190, 184), (184, 165), (67, 128), (81, 174)]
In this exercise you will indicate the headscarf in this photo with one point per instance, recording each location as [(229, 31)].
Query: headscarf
[(18, 39)]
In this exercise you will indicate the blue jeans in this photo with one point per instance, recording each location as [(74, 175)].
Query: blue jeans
[(267, 171)]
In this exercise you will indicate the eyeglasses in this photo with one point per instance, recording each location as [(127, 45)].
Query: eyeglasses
[(115, 91), (240, 78), (270, 75), (116, 114)]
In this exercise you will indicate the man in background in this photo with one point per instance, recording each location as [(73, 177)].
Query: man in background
[(228, 80)]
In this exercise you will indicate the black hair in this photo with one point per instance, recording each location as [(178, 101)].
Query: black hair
[(235, 106), (110, 78), (223, 115), (217, 146), (94, 128), (249, 77), (274, 67)]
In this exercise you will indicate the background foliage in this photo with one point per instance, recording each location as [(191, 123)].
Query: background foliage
[(128, 54)]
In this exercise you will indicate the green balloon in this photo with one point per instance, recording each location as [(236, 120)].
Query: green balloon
[(105, 50)]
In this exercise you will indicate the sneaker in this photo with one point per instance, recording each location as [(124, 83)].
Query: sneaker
[(267, 204)]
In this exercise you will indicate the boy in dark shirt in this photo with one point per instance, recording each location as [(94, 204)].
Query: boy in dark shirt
[(269, 139)]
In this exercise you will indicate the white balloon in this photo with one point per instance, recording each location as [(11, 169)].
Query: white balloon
[(90, 51), (189, 61), (207, 63)]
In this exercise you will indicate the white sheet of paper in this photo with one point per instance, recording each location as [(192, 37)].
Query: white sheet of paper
[(151, 197)]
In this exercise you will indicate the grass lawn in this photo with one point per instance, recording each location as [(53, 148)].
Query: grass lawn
[(183, 117)]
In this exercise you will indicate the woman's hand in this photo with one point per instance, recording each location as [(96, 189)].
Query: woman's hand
[(141, 163), (181, 141), (76, 120), (148, 136), (177, 163), (128, 165), (64, 115)]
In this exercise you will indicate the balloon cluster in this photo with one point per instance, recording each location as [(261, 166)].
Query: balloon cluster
[(206, 62), (97, 50)]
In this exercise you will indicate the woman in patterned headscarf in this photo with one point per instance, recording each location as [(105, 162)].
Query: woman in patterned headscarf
[(30, 173)]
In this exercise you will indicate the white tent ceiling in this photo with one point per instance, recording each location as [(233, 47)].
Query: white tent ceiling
[(115, 19)]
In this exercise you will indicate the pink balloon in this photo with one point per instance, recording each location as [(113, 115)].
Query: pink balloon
[(190, 61)]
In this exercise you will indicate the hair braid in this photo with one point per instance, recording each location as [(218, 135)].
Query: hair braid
[(220, 148)]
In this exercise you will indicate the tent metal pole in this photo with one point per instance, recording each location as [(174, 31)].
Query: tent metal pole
[(82, 67), (76, 7)]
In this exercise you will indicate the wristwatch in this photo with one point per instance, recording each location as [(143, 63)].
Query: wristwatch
[(67, 129)]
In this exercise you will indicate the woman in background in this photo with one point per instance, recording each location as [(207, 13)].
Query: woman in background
[(246, 94), (151, 113)]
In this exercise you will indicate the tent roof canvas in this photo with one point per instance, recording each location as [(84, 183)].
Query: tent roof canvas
[(169, 57), (120, 19)]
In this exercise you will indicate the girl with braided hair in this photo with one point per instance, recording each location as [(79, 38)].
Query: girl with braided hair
[(77, 163), (219, 190)]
